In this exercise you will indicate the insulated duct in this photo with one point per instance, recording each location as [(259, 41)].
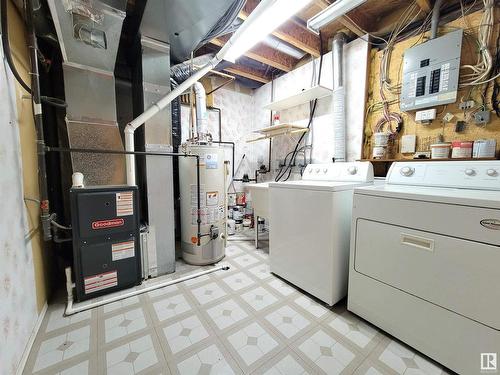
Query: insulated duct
[(89, 34), (339, 114)]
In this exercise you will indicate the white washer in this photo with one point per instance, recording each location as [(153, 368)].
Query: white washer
[(425, 259), (310, 224)]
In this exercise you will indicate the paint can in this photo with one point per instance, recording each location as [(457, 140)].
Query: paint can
[(230, 213), (247, 223), (461, 149), (241, 198), (231, 199), (239, 227), (238, 213), (380, 139), (484, 148), (231, 227), (440, 150)]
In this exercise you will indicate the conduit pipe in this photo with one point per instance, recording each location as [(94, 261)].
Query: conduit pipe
[(435, 18), (131, 127), (339, 114), (71, 310)]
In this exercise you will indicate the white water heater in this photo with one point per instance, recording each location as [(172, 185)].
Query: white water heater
[(209, 248)]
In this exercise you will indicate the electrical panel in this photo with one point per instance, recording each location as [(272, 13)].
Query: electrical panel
[(431, 72), (106, 239)]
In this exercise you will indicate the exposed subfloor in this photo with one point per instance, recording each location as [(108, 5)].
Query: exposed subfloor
[(244, 320)]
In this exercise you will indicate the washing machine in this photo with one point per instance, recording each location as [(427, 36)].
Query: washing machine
[(425, 260), (310, 222)]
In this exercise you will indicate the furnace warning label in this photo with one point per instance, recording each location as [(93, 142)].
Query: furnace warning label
[(124, 203), (100, 281), (122, 250), (212, 198)]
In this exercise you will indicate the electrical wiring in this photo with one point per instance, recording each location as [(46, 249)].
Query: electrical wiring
[(312, 111), (55, 102), (480, 72)]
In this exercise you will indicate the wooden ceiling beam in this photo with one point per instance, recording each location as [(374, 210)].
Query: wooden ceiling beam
[(246, 72), (264, 54), (289, 32)]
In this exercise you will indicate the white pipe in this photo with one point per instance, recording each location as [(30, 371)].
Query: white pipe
[(70, 310), (165, 101), (201, 110)]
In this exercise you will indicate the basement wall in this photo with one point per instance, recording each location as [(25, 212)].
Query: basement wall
[(23, 274)]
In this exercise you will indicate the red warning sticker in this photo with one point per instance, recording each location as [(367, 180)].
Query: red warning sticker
[(122, 250), (100, 281), (124, 203), (104, 224)]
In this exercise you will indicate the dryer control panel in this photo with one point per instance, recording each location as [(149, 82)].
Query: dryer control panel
[(483, 175), (355, 171)]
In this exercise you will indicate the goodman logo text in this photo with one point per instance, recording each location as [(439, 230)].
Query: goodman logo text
[(105, 224)]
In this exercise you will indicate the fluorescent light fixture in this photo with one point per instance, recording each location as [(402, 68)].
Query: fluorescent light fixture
[(265, 18), (338, 9)]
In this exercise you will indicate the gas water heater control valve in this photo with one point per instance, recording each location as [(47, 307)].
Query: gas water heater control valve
[(407, 171), (492, 172), (352, 170)]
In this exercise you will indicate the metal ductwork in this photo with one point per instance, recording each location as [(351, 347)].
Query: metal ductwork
[(339, 114), (189, 25), (89, 34)]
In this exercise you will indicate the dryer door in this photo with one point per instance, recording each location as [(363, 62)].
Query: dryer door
[(461, 276)]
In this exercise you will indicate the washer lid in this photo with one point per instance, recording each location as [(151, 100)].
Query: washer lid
[(317, 185), (464, 197)]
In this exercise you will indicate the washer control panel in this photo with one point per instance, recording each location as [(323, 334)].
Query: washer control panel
[(451, 174), (355, 171)]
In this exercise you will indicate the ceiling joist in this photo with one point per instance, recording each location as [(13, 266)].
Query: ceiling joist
[(246, 72), (425, 5), (264, 54)]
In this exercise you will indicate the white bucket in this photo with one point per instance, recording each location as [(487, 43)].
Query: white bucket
[(440, 150)]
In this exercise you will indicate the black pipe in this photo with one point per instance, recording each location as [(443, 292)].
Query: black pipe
[(143, 153), (38, 118), (220, 120), (232, 145)]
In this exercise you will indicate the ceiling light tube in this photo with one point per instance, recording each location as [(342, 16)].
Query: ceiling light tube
[(266, 17), (338, 9)]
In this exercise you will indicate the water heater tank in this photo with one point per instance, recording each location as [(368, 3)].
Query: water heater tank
[(212, 201)]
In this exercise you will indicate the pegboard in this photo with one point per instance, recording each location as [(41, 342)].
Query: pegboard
[(428, 134)]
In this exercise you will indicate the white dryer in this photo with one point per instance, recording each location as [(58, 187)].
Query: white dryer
[(310, 224), (425, 259)]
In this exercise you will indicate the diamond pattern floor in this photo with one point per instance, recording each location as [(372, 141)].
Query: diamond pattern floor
[(241, 321)]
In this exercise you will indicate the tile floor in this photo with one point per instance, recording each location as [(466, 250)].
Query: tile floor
[(241, 321)]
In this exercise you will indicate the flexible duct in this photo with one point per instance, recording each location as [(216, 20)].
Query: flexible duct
[(339, 115)]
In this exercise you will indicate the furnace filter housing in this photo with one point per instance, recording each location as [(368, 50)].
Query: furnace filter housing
[(212, 200)]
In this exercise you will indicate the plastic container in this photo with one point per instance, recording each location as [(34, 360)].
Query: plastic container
[(484, 148), (380, 139), (461, 149), (247, 223), (231, 227), (440, 150)]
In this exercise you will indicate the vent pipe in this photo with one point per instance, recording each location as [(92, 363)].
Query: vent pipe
[(201, 111), (435, 18), (339, 115)]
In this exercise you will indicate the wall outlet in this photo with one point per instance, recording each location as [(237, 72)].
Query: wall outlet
[(467, 105), (482, 117), (425, 116)]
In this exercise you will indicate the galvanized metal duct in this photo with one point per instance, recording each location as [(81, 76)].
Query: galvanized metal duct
[(339, 115), (89, 34)]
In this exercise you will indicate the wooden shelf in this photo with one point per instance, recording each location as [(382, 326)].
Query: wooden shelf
[(278, 130), (305, 96)]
